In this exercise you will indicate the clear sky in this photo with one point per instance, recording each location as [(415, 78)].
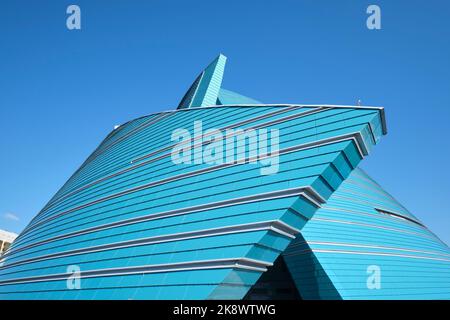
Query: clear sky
[(62, 91)]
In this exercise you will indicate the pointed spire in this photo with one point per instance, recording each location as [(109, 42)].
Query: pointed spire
[(205, 89)]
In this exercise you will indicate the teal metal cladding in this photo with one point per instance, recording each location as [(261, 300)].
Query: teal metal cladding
[(132, 224), (329, 260), (140, 227)]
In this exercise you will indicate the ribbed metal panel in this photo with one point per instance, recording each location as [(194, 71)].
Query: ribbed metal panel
[(331, 257), (141, 227)]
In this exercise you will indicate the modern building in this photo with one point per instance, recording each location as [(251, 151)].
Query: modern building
[(155, 212), (6, 238)]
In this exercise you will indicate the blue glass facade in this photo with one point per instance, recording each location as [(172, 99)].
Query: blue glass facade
[(139, 226)]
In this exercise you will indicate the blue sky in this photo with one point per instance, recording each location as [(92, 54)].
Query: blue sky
[(62, 91)]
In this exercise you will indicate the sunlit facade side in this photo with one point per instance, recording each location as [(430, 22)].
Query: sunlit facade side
[(132, 223)]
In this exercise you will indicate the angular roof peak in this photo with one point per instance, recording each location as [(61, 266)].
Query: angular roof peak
[(207, 90)]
